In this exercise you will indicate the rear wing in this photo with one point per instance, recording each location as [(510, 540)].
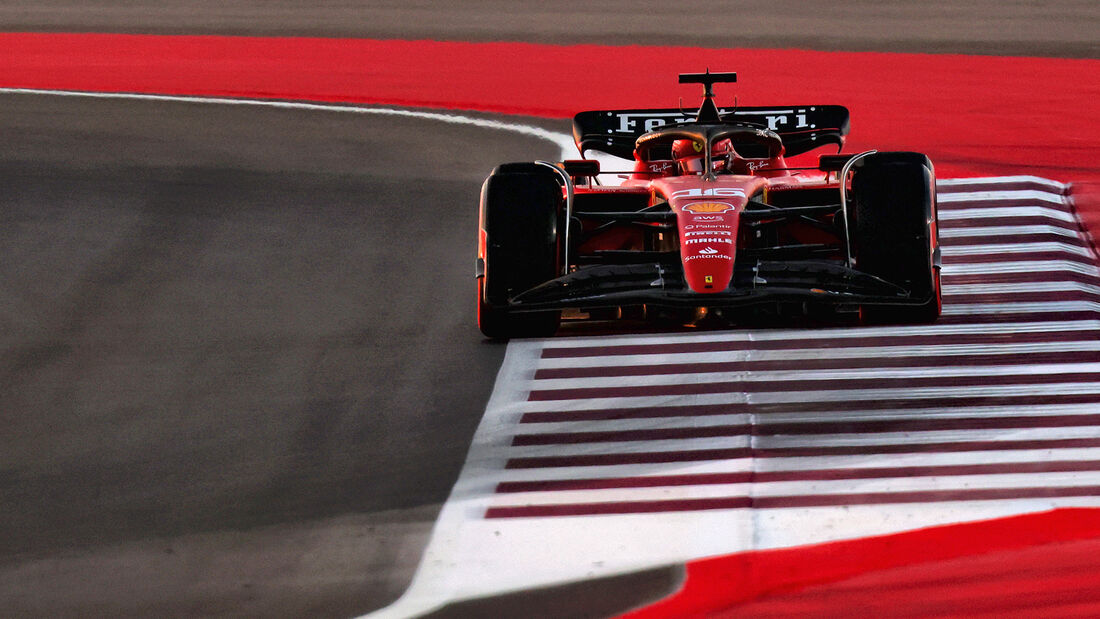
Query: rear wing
[(803, 128)]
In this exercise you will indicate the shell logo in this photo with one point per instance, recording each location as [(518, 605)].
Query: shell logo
[(707, 207)]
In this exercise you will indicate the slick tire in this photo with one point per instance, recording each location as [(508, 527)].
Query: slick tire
[(895, 233), (521, 213)]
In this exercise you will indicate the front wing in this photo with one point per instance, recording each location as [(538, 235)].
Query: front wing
[(761, 282)]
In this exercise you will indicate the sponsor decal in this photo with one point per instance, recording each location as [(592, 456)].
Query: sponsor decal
[(708, 240), (785, 121), (706, 256), (629, 122), (663, 166), (717, 192), (708, 250), (706, 232), (612, 189), (700, 208), (707, 218), (707, 227)]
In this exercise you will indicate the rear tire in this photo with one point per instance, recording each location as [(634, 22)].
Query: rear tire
[(521, 211), (895, 233)]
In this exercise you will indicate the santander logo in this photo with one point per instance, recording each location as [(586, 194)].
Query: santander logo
[(708, 250)]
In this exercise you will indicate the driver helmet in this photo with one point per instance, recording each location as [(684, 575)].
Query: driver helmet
[(689, 155)]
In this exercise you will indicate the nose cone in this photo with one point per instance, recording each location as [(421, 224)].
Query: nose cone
[(708, 242)]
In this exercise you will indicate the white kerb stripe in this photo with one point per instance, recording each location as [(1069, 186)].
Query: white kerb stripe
[(564, 141)]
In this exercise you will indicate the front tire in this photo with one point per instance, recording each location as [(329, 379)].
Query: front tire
[(521, 211), (895, 233), (501, 324)]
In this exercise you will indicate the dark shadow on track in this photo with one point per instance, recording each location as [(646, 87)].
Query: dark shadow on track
[(599, 597)]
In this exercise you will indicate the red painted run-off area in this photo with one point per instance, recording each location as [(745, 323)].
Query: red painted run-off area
[(1037, 565), (973, 115)]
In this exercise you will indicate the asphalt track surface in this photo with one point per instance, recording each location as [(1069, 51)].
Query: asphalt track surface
[(238, 363), (238, 351)]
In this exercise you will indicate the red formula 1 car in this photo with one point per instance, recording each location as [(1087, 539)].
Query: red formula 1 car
[(711, 220)]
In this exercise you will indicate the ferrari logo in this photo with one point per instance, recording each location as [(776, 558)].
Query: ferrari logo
[(709, 279), (697, 146)]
